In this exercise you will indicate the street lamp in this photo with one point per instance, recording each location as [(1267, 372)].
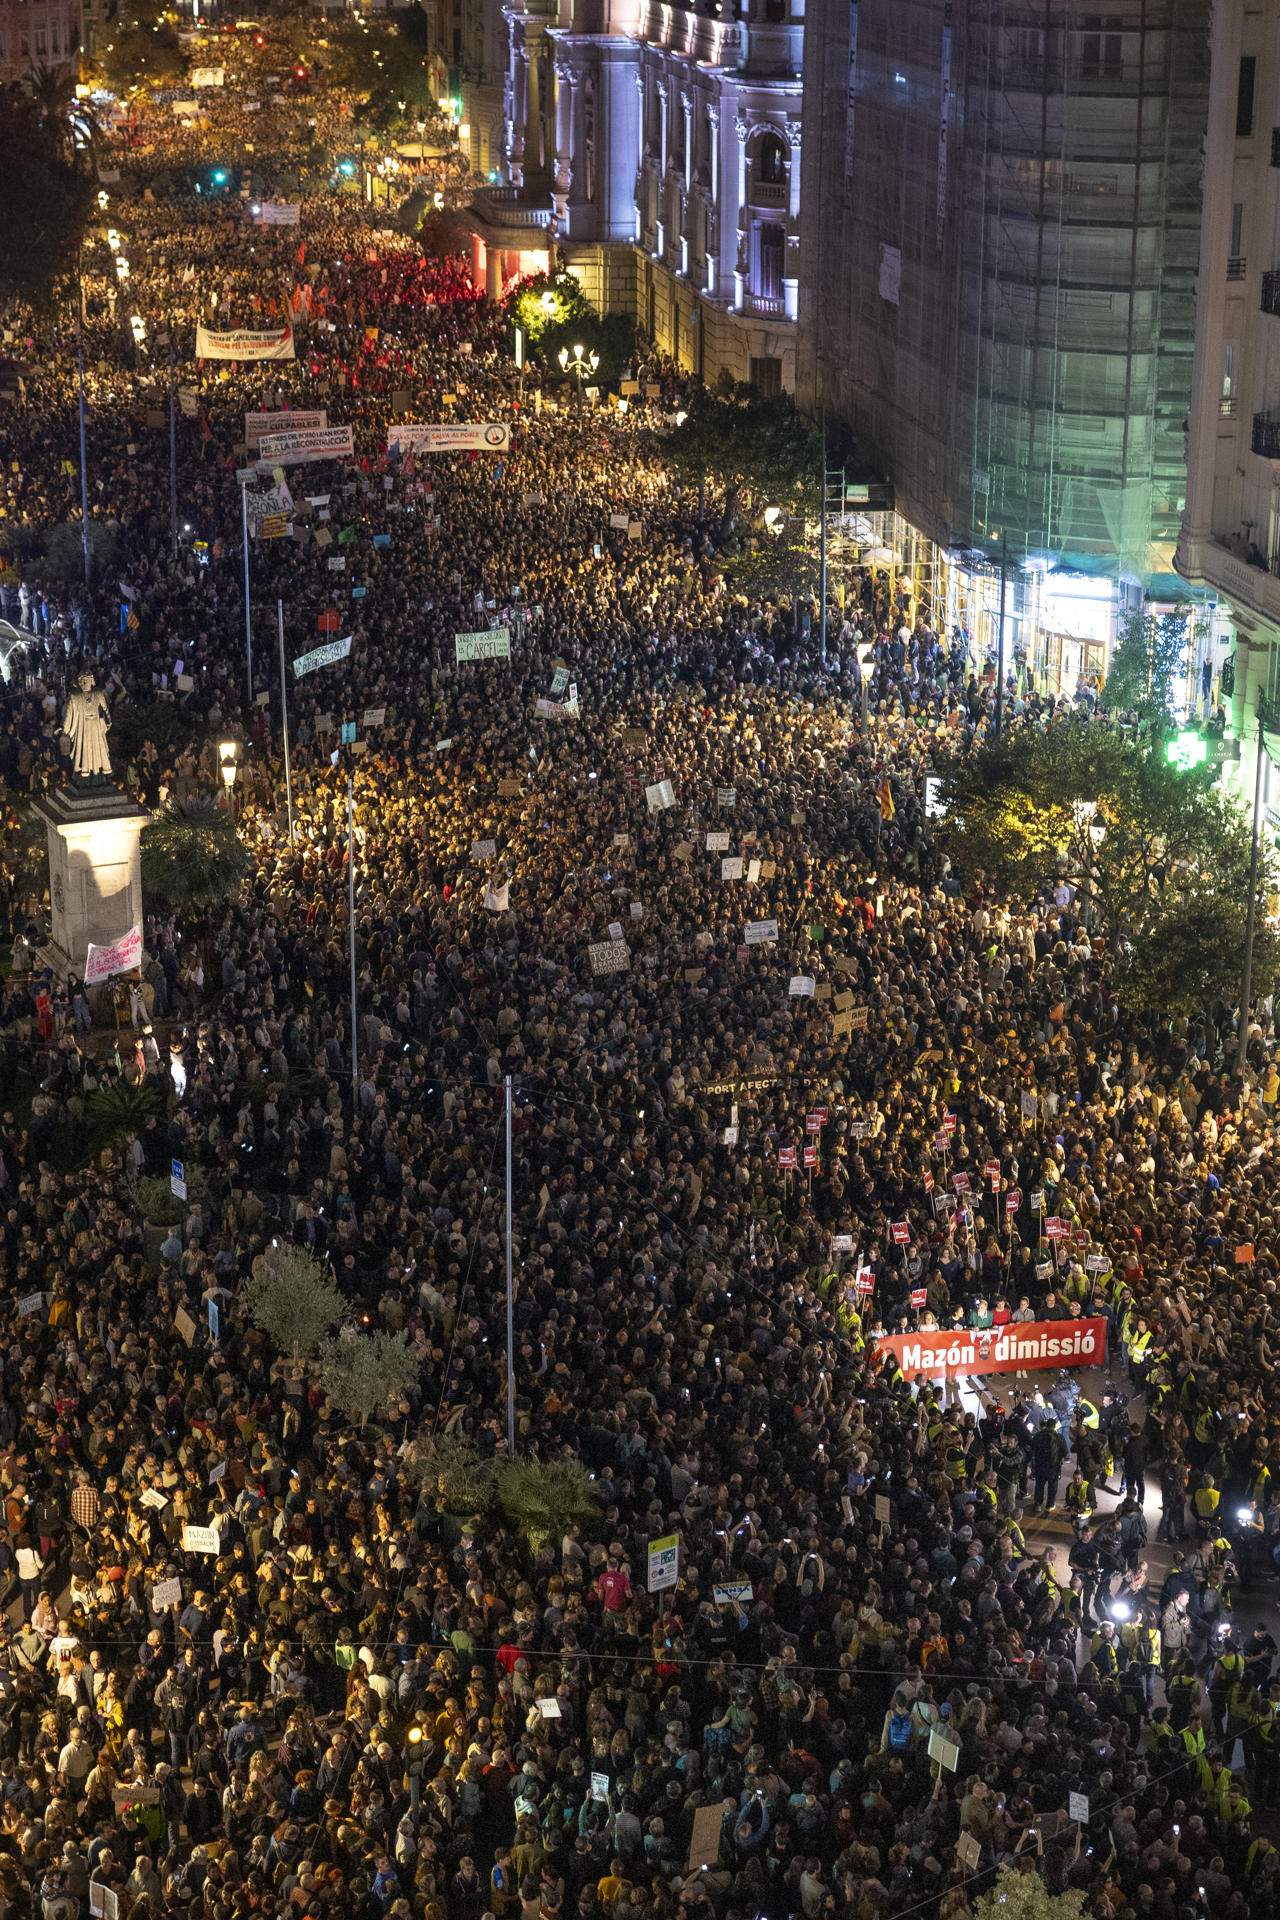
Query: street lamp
[(578, 365), (229, 766)]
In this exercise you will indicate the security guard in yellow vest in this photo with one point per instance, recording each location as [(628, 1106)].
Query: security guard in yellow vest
[(1206, 1500)]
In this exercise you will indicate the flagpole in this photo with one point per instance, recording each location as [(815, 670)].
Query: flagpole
[(511, 1338), (248, 625), (284, 709), (351, 921), (84, 473)]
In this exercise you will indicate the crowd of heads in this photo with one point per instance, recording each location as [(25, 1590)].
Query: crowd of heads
[(376, 1698)]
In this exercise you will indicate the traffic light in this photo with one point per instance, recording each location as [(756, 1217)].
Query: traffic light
[(1187, 749), (220, 176), (347, 168)]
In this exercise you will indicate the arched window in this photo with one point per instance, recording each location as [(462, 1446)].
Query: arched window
[(771, 161)]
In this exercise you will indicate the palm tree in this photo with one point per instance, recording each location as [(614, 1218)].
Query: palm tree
[(192, 857), (542, 1498), (53, 93)]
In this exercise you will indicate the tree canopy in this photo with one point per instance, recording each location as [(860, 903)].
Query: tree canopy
[(755, 445), (47, 199), (1144, 662), (1160, 857)]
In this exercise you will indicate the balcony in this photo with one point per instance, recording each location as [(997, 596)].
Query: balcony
[(504, 207), (1271, 291), (1208, 562), (768, 193), (1227, 406), (1266, 435), (1237, 267), (769, 306)]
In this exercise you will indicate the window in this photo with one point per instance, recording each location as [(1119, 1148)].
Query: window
[(1228, 370), (1102, 47), (771, 161), (1237, 229), (766, 375), (42, 43), (773, 243), (1244, 96)]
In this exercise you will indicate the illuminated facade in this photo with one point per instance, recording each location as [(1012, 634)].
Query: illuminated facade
[(657, 149), (1231, 530)]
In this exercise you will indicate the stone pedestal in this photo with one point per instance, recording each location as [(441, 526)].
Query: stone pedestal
[(95, 880)]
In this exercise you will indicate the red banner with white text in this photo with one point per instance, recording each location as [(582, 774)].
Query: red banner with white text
[(1011, 1349)]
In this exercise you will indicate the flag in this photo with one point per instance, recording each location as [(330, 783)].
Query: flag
[(884, 793), (497, 899)]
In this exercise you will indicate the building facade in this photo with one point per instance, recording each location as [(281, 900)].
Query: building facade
[(1231, 529), (998, 274), (37, 33), (656, 150)]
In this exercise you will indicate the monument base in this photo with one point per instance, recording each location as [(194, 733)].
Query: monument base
[(95, 878)]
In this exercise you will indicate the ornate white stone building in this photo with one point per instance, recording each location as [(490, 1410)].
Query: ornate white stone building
[(655, 150)]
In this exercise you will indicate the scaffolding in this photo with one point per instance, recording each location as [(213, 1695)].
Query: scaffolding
[(999, 268)]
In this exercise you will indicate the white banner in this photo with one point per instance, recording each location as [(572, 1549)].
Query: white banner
[(310, 443), (200, 1539), (279, 213), (120, 957), (305, 420), (321, 656), (416, 438), (208, 76), (239, 344), (495, 645), (759, 932), (261, 506)]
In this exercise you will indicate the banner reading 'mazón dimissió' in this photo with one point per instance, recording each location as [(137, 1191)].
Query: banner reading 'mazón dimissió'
[(242, 345), (1011, 1349)]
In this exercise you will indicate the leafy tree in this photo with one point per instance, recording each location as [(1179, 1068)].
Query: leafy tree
[(64, 548), (192, 858), (363, 1372), (1020, 1894), (444, 236), (144, 49), (449, 1467), (1160, 858), (760, 447), (542, 1498), (155, 1201), (292, 1298), (548, 302), (1144, 662), (781, 566), (47, 200)]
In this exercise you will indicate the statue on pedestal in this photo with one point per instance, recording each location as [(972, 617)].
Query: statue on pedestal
[(85, 721)]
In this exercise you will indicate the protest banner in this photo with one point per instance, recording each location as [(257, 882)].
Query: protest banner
[(301, 447), (301, 420), (660, 796), (321, 656), (760, 932), (488, 644), (1008, 1349), (609, 956), (120, 956), (456, 437), (166, 1593), (279, 213), (199, 1539), (239, 343)]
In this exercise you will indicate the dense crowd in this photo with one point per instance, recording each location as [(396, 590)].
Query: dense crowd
[(345, 1710)]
